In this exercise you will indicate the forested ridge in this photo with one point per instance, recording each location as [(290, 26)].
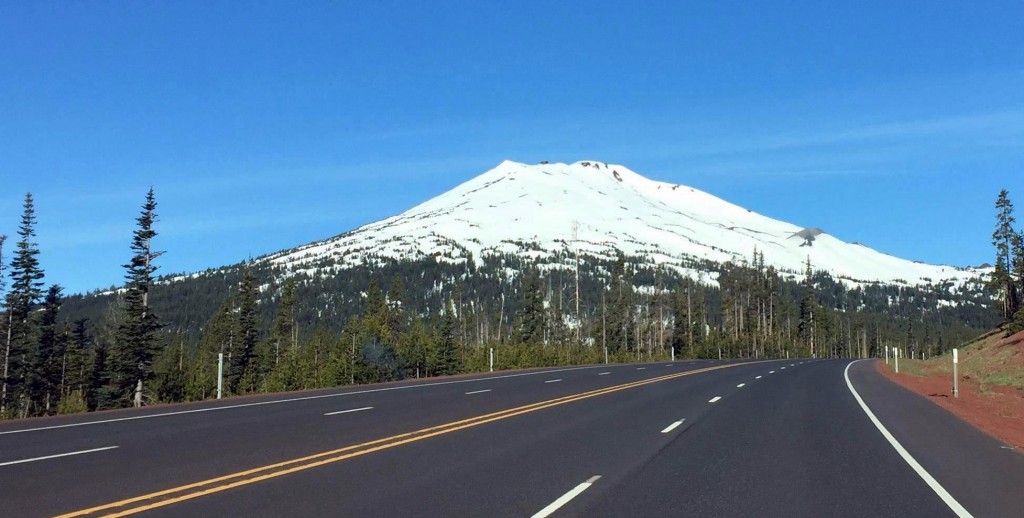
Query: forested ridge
[(156, 339)]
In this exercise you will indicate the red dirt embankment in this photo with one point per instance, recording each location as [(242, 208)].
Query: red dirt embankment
[(995, 409)]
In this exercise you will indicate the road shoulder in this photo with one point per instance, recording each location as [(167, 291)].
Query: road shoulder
[(982, 473)]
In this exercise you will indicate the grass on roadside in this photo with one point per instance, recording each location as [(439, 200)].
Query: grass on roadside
[(988, 360)]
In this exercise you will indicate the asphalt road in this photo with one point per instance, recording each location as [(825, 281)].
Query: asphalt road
[(704, 438)]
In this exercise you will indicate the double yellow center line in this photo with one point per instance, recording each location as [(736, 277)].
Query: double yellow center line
[(174, 495)]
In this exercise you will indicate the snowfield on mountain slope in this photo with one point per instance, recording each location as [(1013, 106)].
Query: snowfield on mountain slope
[(537, 209)]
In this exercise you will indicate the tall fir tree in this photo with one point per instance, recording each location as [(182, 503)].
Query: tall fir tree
[(243, 354), (1002, 239), (808, 313), (532, 318), (75, 366), (5, 322), (48, 371), (285, 331), (622, 309), (81, 357), (397, 319), (446, 360), (26, 285), (1017, 274), (136, 343)]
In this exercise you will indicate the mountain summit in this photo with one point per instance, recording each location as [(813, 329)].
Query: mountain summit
[(600, 209)]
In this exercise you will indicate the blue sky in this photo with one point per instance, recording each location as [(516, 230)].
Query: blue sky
[(265, 125)]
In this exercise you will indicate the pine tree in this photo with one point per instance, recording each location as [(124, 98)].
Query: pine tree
[(50, 355), (808, 310), (1002, 239), (375, 315), (1016, 323), (5, 326), (532, 318), (285, 332), (220, 336), (446, 360), (74, 380), (136, 342), (26, 285), (98, 395), (396, 306), (621, 310), (80, 359), (169, 372), (242, 354), (682, 330), (1017, 266)]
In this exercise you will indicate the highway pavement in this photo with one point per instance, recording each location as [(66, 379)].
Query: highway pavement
[(685, 438)]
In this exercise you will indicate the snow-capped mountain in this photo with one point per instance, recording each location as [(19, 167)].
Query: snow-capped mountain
[(598, 208)]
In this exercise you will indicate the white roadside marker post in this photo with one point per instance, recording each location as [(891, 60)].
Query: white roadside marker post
[(896, 356), (492, 359), (887, 355), (220, 375), (606, 355), (673, 353), (956, 379)]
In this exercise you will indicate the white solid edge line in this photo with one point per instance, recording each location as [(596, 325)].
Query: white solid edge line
[(741, 385), (932, 483), (477, 392), (553, 381), (603, 373), (564, 499), (22, 461), (350, 410), (673, 426), (292, 400), (714, 399)]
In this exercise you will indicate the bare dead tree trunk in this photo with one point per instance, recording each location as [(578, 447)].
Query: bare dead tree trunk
[(7, 362)]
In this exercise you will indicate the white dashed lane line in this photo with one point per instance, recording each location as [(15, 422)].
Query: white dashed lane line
[(673, 426), (553, 381), (715, 399), (350, 410), (564, 499), (741, 385), (477, 392), (22, 461)]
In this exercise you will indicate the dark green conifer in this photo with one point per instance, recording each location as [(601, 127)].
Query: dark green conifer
[(808, 311), (532, 318), (446, 360), (136, 344), (1002, 239), (49, 360), (26, 285), (243, 353), (285, 331)]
